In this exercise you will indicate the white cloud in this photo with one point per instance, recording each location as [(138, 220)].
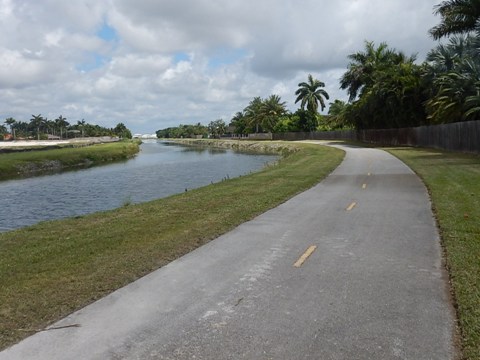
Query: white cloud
[(19, 69), (135, 65), (181, 61)]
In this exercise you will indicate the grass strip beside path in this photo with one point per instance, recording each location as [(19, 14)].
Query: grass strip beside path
[(36, 162), (53, 268), (453, 181)]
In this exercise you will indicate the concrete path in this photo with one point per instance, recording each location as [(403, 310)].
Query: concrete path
[(373, 286)]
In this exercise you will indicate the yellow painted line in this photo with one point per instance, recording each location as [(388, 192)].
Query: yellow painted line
[(351, 206), (305, 256), (364, 186)]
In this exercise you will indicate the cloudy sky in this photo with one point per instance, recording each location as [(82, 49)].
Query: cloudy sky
[(152, 64)]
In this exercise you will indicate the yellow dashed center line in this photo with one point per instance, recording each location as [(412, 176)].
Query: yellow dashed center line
[(305, 256), (351, 206)]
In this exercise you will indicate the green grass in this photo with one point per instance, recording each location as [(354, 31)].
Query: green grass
[(51, 269), (453, 181), (28, 163)]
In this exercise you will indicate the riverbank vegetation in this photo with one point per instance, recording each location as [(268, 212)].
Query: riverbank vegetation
[(51, 269), (452, 180), (36, 162)]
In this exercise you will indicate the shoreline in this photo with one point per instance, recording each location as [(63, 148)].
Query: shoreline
[(33, 160), (46, 143)]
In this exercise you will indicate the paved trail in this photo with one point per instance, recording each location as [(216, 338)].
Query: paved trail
[(373, 287)]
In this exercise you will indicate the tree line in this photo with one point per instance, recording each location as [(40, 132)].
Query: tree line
[(263, 115), (40, 128), (386, 88)]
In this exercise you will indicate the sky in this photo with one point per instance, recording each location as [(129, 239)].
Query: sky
[(152, 64)]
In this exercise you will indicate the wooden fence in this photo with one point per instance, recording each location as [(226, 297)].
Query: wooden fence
[(461, 136)]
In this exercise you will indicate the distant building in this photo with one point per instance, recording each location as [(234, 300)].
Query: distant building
[(144, 136)]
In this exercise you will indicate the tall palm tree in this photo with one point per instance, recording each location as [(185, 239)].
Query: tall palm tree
[(37, 121), (61, 123), (50, 126), (458, 17), (81, 125), (311, 94)]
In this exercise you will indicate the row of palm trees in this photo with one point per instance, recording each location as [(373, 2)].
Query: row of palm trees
[(271, 114), (40, 127), (264, 115), (259, 115)]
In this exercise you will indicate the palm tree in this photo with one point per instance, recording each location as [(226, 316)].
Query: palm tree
[(446, 57), (442, 58), (472, 104), (37, 122), (336, 114), (455, 73), (389, 86), (450, 104), (271, 109), (364, 64), (61, 123), (122, 132), (81, 125), (458, 17), (311, 94), (11, 122), (239, 122), (253, 113), (50, 125)]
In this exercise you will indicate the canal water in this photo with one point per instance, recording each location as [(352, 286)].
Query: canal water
[(159, 170)]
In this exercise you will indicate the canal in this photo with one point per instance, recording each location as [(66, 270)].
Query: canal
[(159, 170)]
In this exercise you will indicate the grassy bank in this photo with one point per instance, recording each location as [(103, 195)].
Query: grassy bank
[(54, 268), (454, 183), (278, 147), (30, 163)]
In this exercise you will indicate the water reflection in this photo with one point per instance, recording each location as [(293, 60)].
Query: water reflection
[(199, 149)]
